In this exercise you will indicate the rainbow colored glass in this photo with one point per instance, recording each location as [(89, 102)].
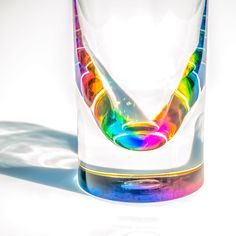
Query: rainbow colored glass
[(118, 116), (141, 189)]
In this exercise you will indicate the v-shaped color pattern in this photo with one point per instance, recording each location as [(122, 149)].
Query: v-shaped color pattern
[(117, 115)]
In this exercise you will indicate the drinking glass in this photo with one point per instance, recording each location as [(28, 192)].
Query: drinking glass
[(140, 72)]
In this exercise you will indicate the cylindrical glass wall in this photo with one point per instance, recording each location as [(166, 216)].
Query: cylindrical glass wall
[(140, 71)]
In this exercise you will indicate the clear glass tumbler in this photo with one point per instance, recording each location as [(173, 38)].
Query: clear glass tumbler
[(140, 72)]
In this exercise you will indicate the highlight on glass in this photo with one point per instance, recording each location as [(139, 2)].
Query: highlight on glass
[(140, 73)]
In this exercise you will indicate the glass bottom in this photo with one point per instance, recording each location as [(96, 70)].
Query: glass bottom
[(141, 188)]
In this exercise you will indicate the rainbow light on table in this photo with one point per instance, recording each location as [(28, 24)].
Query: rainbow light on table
[(125, 124)]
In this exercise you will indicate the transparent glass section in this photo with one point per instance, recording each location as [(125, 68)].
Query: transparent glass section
[(140, 73)]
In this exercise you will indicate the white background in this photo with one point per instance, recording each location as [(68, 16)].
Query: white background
[(37, 86)]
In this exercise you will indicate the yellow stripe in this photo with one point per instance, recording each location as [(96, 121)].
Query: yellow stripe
[(139, 176), (99, 96), (183, 98)]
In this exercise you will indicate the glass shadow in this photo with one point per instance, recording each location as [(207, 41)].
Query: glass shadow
[(39, 154)]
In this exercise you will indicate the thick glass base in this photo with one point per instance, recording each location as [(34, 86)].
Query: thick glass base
[(141, 188)]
